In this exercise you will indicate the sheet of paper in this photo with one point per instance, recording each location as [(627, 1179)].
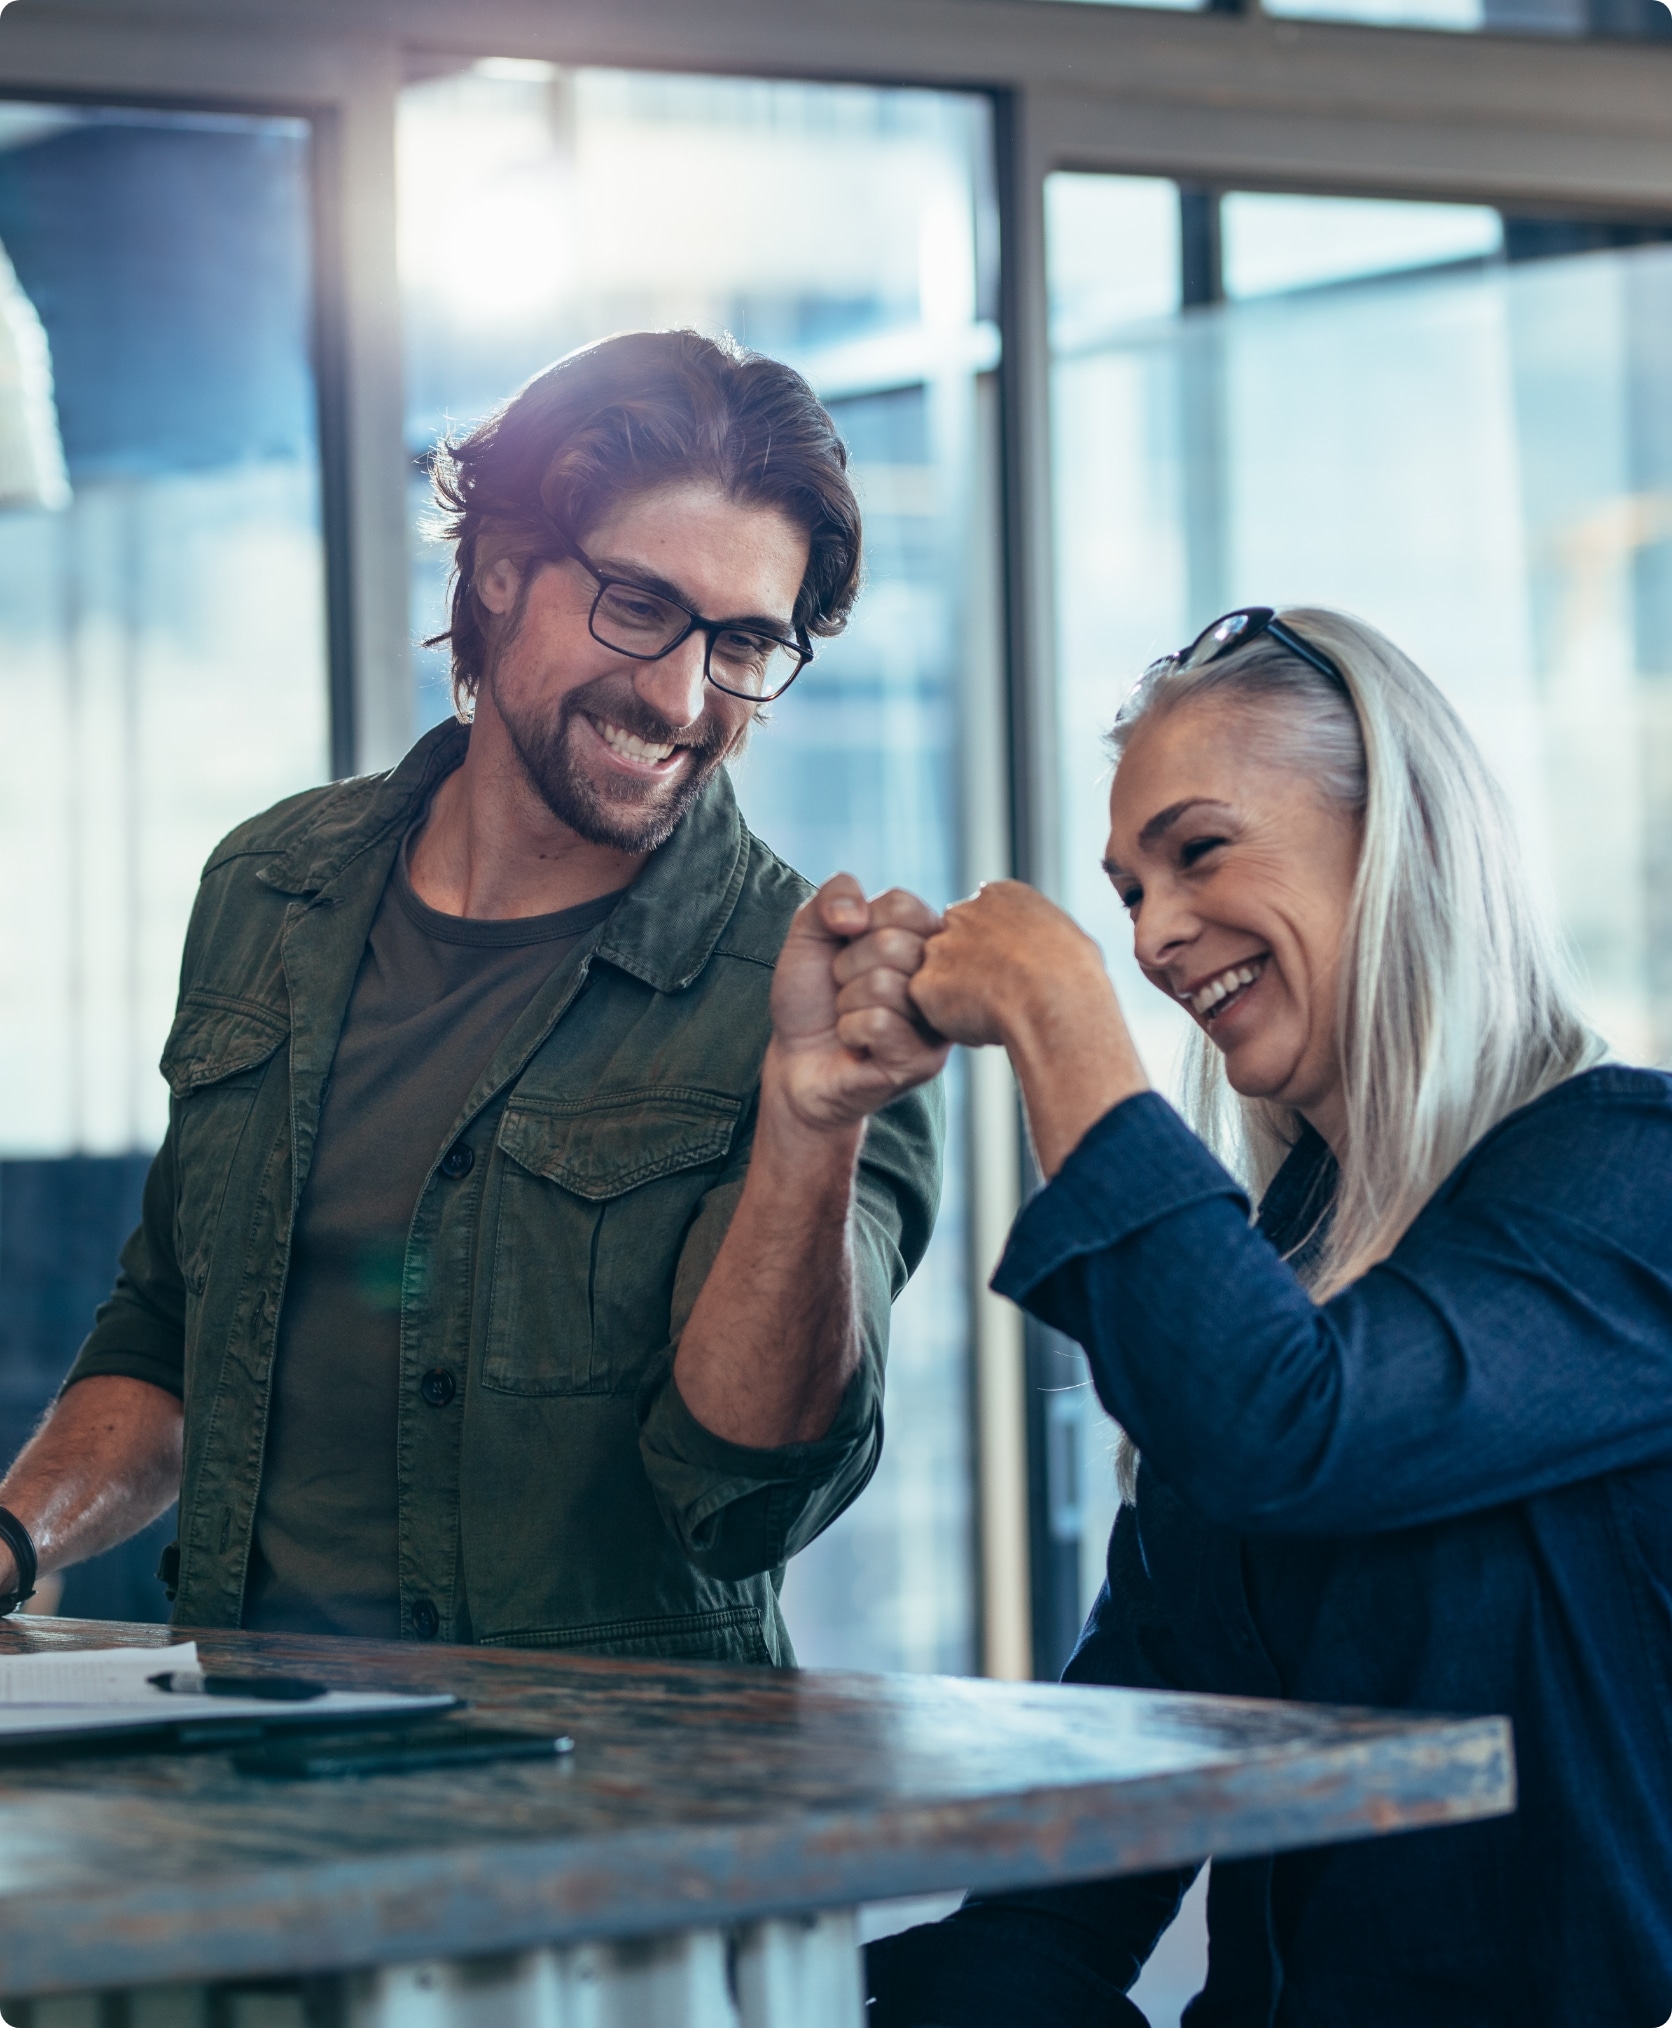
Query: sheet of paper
[(81, 1690), (103, 1676), (23, 1723)]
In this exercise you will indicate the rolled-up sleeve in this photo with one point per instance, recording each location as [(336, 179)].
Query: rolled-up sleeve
[(1519, 1337), (739, 1511)]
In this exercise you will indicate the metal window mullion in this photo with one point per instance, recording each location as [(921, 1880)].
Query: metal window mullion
[(1020, 1570), (373, 423)]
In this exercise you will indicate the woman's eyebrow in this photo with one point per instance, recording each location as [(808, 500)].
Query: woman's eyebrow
[(1164, 820)]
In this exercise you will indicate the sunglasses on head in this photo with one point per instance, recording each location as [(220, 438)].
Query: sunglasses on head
[(1235, 630)]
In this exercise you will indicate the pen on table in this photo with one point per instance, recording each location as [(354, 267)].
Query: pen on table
[(273, 1689)]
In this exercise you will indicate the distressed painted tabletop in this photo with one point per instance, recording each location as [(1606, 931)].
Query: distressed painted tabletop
[(696, 1796)]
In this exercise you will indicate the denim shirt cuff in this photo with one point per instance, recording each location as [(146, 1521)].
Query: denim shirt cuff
[(1137, 1164)]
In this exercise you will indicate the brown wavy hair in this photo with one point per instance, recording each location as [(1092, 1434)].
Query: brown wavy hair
[(625, 416)]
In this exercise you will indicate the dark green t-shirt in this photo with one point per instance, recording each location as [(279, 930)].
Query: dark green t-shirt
[(434, 997)]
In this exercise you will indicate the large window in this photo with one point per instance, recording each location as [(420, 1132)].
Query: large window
[(162, 652), (1451, 418), (1454, 423), (849, 232)]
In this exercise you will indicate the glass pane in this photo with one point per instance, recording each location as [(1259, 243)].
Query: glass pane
[(1273, 245), (162, 648), (1413, 13), (1187, 6), (1474, 453), (1647, 19), (848, 231), (1116, 254)]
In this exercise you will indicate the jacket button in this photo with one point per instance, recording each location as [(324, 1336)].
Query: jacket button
[(458, 1161), (425, 1619), (437, 1387)]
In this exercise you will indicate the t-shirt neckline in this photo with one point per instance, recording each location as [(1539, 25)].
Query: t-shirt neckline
[(496, 932)]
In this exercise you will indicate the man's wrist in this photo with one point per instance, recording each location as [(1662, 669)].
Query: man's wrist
[(781, 1122), (17, 1548)]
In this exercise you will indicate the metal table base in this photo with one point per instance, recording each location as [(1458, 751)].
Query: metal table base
[(800, 1973)]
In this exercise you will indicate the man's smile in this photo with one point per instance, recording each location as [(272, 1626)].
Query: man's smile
[(644, 759)]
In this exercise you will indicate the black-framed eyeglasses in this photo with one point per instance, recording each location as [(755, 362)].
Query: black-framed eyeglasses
[(1235, 630), (740, 657)]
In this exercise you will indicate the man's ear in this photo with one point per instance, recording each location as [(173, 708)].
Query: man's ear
[(498, 585)]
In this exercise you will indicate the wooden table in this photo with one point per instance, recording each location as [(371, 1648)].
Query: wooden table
[(696, 1862)]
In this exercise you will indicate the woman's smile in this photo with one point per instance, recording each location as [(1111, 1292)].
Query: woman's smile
[(1216, 997)]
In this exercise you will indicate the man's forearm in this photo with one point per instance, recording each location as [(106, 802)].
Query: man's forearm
[(104, 1463), (771, 1345)]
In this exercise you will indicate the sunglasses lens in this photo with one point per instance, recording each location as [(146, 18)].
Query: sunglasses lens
[(1219, 639), (1224, 635)]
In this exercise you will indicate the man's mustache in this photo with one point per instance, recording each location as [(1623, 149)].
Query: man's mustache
[(606, 698)]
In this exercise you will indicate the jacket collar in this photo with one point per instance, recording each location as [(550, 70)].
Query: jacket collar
[(665, 927), (357, 815)]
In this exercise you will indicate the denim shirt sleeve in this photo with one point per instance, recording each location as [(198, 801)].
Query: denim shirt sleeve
[(1519, 1337), (739, 1511)]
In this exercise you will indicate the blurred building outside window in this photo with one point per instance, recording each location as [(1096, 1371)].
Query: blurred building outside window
[(162, 653), (848, 231)]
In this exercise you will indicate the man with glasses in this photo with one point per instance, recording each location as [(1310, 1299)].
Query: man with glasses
[(517, 1266)]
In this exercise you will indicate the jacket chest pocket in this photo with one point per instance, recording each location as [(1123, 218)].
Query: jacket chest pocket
[(595, 1199), (215, 1060)]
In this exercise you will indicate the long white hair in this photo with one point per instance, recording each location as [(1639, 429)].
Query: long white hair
[(1456, 1005)]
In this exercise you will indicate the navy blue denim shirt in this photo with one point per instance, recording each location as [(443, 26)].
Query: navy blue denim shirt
[(1448, 1488)]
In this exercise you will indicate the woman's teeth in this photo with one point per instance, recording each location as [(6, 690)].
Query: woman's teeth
[(628, 744), (1206, 999)]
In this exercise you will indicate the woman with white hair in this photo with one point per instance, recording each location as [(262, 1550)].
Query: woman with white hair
[(1404, 1441)]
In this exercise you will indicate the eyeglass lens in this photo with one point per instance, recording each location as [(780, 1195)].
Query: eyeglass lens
[(643, 624)]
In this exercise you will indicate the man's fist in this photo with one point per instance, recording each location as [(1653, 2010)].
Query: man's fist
[(846, 1037)]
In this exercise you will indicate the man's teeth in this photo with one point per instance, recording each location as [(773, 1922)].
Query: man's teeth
[(1207, 997), (621, 741)]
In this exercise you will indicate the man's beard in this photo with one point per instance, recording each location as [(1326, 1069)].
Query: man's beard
[(618, 812)]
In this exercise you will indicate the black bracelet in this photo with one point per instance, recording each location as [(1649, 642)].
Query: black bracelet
[(19, 1541)]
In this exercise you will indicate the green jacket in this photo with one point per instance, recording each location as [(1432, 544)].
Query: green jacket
[(565, 1496)]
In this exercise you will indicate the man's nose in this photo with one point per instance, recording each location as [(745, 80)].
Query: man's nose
[(673, 687)]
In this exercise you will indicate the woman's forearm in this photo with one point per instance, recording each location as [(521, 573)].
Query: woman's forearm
[(1074, 1059), (1009, 966)]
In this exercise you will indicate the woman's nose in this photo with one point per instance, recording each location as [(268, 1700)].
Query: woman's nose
[(1163, 929), (673, 687)]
